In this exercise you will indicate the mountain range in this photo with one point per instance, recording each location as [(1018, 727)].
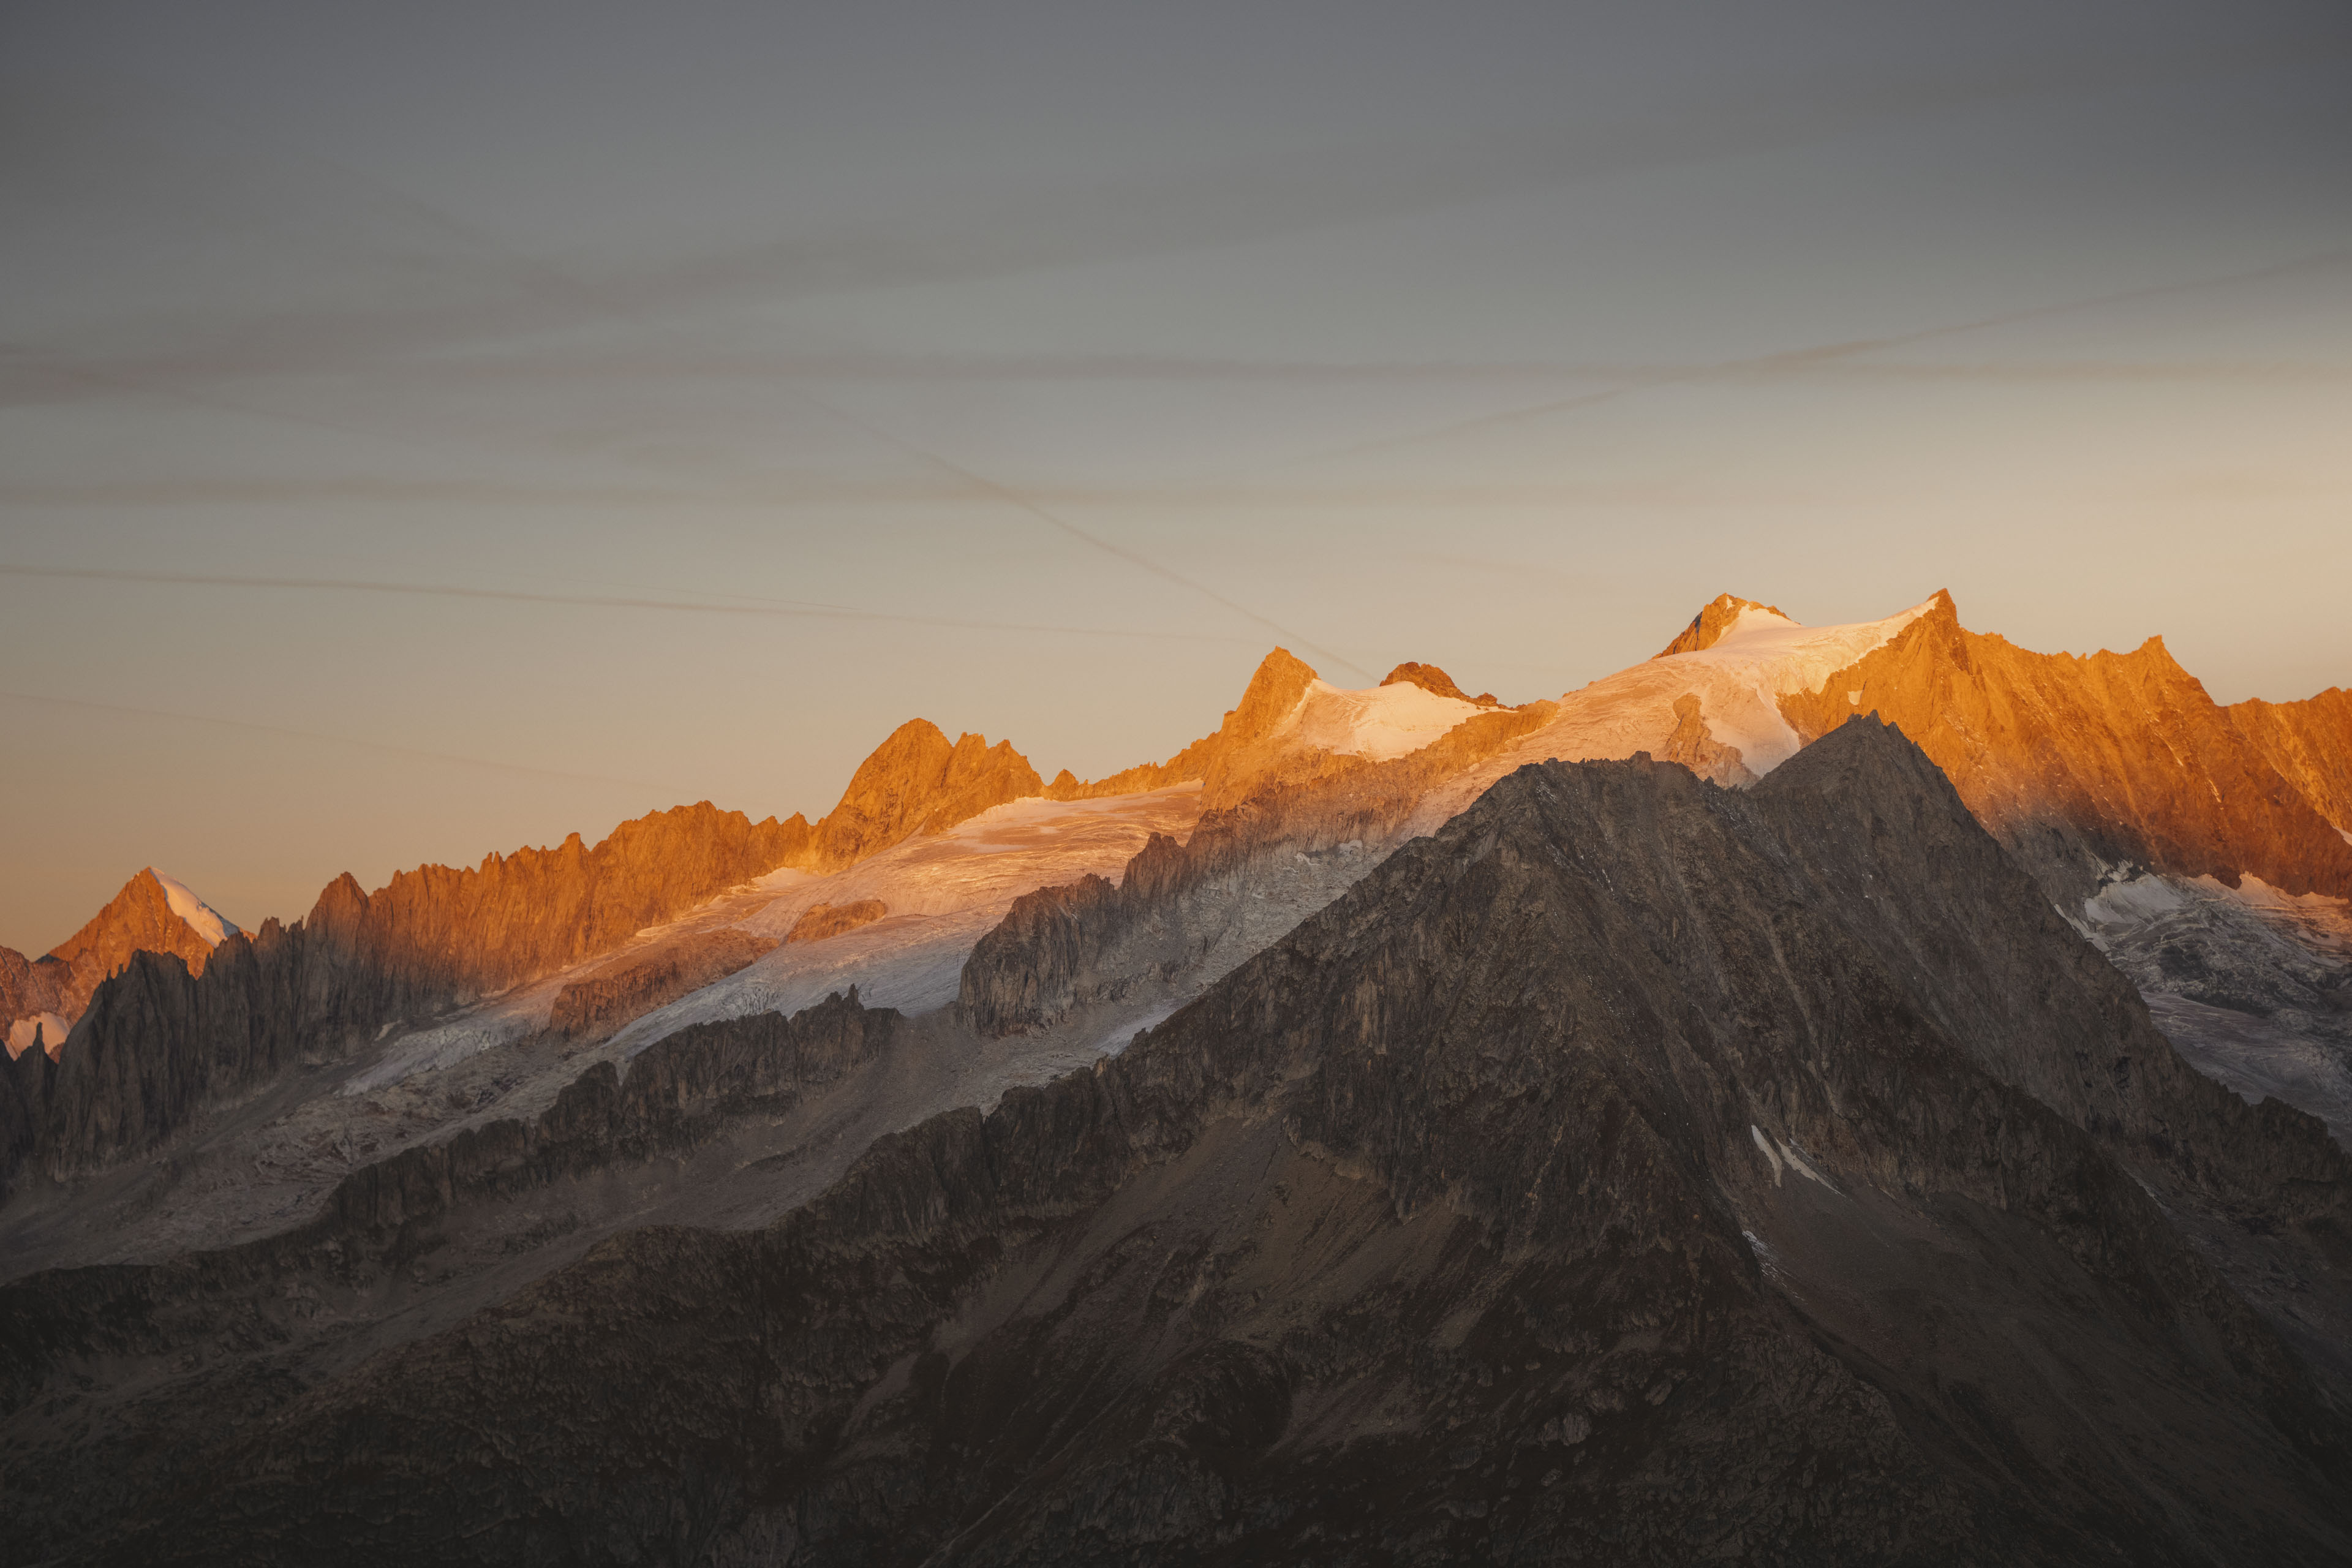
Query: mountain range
[(1858, 1093)]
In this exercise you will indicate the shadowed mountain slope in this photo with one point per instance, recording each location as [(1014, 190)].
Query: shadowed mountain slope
[(1635, 1170)]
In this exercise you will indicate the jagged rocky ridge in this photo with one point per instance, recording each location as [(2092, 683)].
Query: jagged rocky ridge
[(170, 1032), (2080, 764), (2310, 744), (157, 1041), (1637, 1171)]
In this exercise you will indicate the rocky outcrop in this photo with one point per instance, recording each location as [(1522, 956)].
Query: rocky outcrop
[(1274, 691), (473, 930), (1635, 1170), (822, 921), (1712, 621), (674, 1090), (1061, 949), (1695, 748), (1429, 678), (1248, 752), (2078, 764), (29, 988), (619, 993), (914, 783), (2310, 744)]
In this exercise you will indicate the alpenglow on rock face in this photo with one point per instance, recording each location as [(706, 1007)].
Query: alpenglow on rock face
[(1573, 1188), (153, 913), (2076, 764)]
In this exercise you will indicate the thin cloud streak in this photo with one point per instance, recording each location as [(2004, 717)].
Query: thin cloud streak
[(117, 708), (733, 368), (788, 609), (1015, 498), (1822, 358), (1125, 221)]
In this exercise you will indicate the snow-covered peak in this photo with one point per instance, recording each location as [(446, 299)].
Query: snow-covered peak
[(201, 917), (1738, 680), (1376, 723), (1787, 657)]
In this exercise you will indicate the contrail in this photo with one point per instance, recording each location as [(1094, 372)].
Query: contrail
[(789, 609), (338, 740), (1818, 354), (1015, 498)]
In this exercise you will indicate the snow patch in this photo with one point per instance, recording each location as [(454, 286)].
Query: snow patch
[(1797, 1162), (201, 918), (1781, 1153), (1376, 724), (2122, 905)]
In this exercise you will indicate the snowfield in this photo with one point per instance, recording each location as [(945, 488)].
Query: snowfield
[(1377, 723), (943, 894), (1738, 682), (201, 918)]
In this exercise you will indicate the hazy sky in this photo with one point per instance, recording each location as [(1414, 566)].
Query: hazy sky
[(766, 376)]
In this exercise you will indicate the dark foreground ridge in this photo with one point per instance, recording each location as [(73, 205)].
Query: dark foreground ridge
[(1637, 1171)]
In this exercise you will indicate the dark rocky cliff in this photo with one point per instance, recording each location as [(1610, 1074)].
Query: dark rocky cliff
[(1637, 1171)]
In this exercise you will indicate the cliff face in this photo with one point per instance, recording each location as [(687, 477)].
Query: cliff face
[(598, 1005), (1569, 1189), (28, 988), (1274, 688), (822, 923), (477, 930), (916, 783), (2310, 744), (2076, 764)]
